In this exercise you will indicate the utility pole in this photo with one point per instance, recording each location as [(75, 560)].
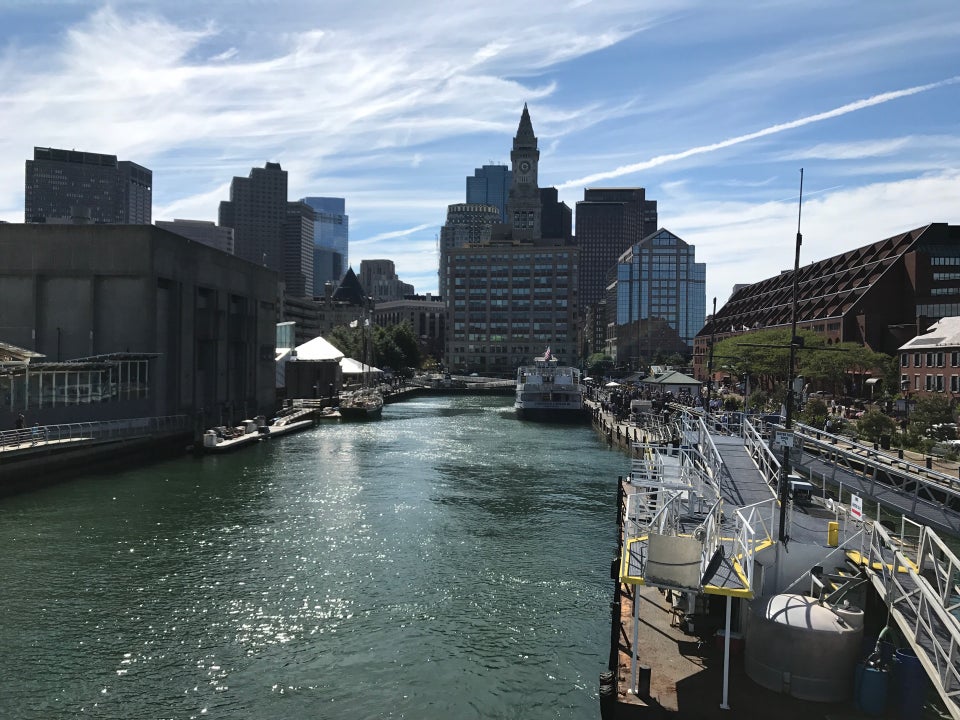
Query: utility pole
[(795, 342), (713, 334)]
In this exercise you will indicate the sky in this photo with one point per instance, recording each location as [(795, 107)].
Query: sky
[(714, 108)]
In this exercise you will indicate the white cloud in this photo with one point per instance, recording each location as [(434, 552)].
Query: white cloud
[(746, 243)]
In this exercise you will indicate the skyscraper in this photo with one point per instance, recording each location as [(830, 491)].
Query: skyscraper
[(256, 211), (72, 186), (490, 185), (511, 293), (609, 220), (269, 230), (298, 231), (656, 302), (331, 241), (466, 223)]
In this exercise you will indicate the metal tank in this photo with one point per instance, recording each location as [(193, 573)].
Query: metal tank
[(796, 646)]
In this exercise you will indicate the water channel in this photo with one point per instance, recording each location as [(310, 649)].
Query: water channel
[(448, 561)]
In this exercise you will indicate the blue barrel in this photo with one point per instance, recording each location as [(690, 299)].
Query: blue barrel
[(911, 685), (870, 688)]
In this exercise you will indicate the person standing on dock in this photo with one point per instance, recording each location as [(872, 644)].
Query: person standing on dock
[(21, 422)]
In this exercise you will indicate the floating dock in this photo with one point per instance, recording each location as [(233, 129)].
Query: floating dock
[(701, 553)]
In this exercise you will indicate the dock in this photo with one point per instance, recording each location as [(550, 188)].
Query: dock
[(699, 539)]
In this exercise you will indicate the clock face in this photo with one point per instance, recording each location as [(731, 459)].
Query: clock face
[(524, 166)]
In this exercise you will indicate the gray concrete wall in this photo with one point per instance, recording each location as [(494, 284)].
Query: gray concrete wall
[(76, 291)]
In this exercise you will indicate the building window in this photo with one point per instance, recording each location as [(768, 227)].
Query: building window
[(916, 382), (939, 359), (955, 383), (930, 359), (939, 383), (928, 384), (905, 360), (954, 359), (916, 360)]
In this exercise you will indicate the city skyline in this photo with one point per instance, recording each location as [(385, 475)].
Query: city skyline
[(713, 112)]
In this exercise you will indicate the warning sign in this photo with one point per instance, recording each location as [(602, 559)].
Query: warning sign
[(856, 507)]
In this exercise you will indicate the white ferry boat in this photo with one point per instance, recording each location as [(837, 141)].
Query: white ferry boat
[(547, 391)]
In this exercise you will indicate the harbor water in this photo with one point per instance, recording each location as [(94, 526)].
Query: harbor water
[(448, 561)]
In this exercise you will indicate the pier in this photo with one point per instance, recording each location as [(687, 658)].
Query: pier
[(699, 519)]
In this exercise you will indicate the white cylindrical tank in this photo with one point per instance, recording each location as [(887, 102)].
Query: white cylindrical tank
[(249, 426), (801, 648), (210, 439)]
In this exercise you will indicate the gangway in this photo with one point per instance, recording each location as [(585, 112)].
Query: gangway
[(907, 489), (918, 577)]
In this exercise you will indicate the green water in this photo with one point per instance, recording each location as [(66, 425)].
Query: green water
[(448, 561)]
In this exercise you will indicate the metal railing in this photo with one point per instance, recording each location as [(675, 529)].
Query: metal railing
[(752, 530), (762, 455), (920, 609), (91, 431)]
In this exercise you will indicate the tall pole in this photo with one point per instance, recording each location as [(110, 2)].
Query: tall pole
[(713, 334), (794, 344)]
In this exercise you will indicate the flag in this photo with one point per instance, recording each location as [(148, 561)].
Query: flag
[(546, 355)]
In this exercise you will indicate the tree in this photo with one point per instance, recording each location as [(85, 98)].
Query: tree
[(347, 340), (874, 424), (599, 365), (814, 413), (928, 411)]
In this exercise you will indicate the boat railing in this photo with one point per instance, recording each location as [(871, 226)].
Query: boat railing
[(762, 454), (922, 613)]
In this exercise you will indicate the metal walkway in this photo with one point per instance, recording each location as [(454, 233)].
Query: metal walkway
[(698, 513), (904, 488), (919, 579)]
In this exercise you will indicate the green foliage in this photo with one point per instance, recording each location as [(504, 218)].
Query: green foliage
[(873, 424), (599, 365), (394, 347), (929, 410), (765, 356), (347, 340), (814, 413)]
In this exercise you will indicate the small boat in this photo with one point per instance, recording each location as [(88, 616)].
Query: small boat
[(547, 391), (363, 404)]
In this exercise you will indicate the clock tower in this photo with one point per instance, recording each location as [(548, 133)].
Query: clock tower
[(523, 205)]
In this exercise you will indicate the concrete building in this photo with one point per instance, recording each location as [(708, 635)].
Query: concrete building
[(609, 220), (490, 185), (269, 230), (331, 241), (200, 323), (68, 186), (880, 295), (298, 232), (466, 223), (514, 295), (256, 211), (426, 315), (656, 300), (379, 280), (201, 231)]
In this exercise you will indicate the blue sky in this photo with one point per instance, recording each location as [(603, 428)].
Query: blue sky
[(391, 105)]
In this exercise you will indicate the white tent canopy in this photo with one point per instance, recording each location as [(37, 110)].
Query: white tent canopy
[(612, 384), (349, 366), (317, 349)]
